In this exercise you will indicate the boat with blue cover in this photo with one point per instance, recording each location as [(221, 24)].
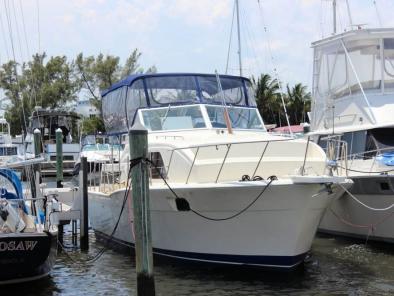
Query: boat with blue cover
[(257, 198)]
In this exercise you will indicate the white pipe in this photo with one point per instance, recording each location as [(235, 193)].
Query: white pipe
[(239, 40), (349, 14)]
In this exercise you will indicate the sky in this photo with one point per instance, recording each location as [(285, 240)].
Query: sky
[(184, 35)]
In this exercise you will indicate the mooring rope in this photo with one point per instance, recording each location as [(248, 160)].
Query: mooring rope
[(365, 205)]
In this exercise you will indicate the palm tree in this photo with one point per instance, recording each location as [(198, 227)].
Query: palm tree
[(268, 98), (299, 102)]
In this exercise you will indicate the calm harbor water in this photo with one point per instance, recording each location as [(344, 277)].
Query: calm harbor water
[(335, 267)]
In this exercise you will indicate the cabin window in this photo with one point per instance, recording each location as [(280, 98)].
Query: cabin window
[(171, 90), (384, 186), (356, 142), (388, 63), (173, 118), (240, 118), (383, 139), (157, 168)]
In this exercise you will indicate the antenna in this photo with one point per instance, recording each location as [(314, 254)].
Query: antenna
[(349, 14), (334, 15), (239, 39)]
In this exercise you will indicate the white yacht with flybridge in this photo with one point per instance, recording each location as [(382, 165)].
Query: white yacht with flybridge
[(256, 198), (353, 103)]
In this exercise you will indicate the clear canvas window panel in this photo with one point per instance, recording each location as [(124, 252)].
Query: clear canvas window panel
[(251, 94), (233, 90), (332, 70), (114, 113), (136, 99), (171, 90), (366, 60)]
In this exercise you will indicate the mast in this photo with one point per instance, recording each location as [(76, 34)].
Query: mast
[(239, 39), (334, 15)]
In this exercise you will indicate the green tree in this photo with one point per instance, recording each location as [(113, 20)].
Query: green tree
[(92, 125), (268, 99), (299, 103), (99, 73), (39, 82)]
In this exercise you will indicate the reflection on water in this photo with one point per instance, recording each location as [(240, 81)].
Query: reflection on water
[(335, 267)]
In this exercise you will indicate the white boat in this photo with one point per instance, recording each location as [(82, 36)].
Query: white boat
[(47, 122), (98, 149), (9, 151), (353, 92), (266, 221)]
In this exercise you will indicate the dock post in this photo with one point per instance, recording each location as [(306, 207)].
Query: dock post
[(138, 142), (59, 158), (37, 142), (60, 237), (37, 152), (84, 235)]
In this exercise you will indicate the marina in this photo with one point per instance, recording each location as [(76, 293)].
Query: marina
[(336, 266), (121, 180)]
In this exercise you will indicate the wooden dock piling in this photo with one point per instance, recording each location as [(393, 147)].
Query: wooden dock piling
[(59, 158), (84, 231), (138, 143)]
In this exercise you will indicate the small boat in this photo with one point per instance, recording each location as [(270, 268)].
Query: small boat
[(99, 149), (47, 122), (9, 150), (28, 243), (260, 196)]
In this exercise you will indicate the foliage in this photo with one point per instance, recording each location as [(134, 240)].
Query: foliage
[(99, 73), (92, 125), (56, 82), (298, 102), (269, 101), (49, 84)]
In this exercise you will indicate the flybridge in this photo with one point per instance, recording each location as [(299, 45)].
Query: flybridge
[(358, 67), (122, 101)]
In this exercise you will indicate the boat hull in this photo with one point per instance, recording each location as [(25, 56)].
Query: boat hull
[(26, 256), (276, 231), (347, 217)]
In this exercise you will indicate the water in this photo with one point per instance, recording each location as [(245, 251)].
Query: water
[(335, 267)]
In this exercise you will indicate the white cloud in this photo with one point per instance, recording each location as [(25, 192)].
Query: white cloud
[(201, 12)]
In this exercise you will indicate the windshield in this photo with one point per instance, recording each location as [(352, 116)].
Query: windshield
[(241, 118), (173, 118)]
